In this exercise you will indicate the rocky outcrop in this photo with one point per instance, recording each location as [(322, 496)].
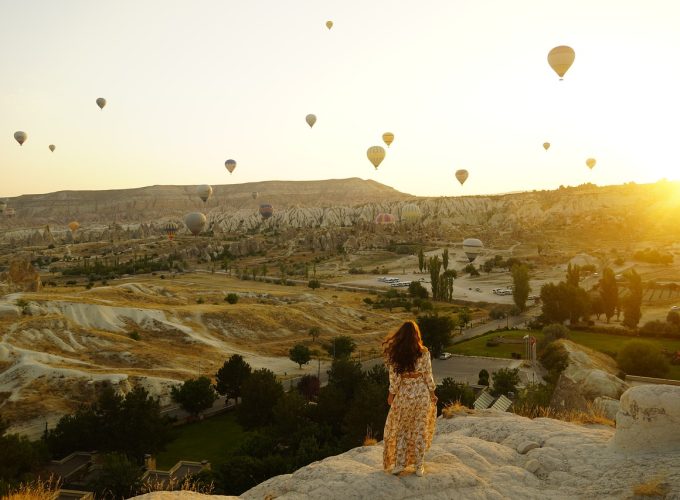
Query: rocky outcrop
[(649, 420), (589, 375), (21, 276)]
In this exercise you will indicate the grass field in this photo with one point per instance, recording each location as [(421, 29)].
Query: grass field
[(211, 439), (609, 344)]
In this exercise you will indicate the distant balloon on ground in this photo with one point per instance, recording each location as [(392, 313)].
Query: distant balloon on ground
[(204, 192), (376, 154), (230, 165), (546, 146), (591, 163), (329, 24), (170, 229), (388, 137), (311, 120), (101, 102), (410, 213), (52, 147), (560, 59), (195, 222), (20, 137), (462, 176), (472, 248), (266, 210), (385, 219)]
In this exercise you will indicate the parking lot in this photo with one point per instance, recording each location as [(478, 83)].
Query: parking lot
[(467, 368)]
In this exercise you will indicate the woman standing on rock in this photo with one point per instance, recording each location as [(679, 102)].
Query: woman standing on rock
[(413, 404)]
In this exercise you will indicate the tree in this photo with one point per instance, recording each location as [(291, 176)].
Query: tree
[(20, 458), (231, 298), (195, 395), (346, 375), (314, 284), (435, 267), (633, 303), (309, 386), (366, 413), (300, 354), (563, 301), (314, 332), (436, 331), (446, 283), (421, 259), (573, 275), (505, 381), (450, 391), (483, 377), (445, 259), (464, 318), (673, 317), (597, 306), (555, 360), (231, 376), (471, 270), (638, 357), (118, 478), (415, 289), (520, 279), (609, 292), (341, 347), (261, 392), (487, 267)]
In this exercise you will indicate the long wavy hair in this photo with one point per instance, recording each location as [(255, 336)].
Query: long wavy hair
[(403, 347)]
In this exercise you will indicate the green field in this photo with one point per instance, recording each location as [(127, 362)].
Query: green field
[(609, 344), (211, 439)]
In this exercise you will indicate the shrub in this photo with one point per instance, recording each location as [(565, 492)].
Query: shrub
[(638, 357), (505, 381), (497, 312), (231, 298), (368, 300), (200, 300), (314, 284), (135, 336), (483, 377), (555, 359)]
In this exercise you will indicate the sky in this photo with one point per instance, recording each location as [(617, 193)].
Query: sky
[(462, 84)]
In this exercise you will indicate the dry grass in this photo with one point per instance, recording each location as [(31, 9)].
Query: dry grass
[(591, 415), (36, 490), (455, 409), (655, 487), (369, 440), (174, 485)]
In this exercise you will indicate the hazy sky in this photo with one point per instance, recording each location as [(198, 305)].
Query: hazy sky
[(461, 84)]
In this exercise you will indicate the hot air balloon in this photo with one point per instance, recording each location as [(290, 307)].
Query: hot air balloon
[(591, 163), (462, 176), (311, 120), (254, 194), (560, 59), (204, 192), (3, 206), (376, 154), (230, 165), (410, 213), (383, 218), (170, 229), (20, 137), (101, 102), (546, 146), (266, 210), (472, 248), (52, 147), (10, 212), (73, 226), (388, 137), (329, 24), (195, 222)]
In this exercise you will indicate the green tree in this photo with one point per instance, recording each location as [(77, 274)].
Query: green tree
[(555, 360), (194, 395), (573, 275), (415, 289), (421, 259), (520, 279), (434, 266), (314, 284), (366, 413), (445, 259), (609, 292), (261, 392), (300, 354), (487, 267), (483, 377), (464, 317), (231, 298), (450, 391), (638, 357), (563, 301), (314, 332), (446, 283), (309, 386), (119, 478), (471, 270), (505, 381), (20, 459), (633, 303), (290, 421), (231, 376), (436, 331), (597, 306), (346, 375), (341, 347)]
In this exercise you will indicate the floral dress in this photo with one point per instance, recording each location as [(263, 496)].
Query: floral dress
[(410, 423)]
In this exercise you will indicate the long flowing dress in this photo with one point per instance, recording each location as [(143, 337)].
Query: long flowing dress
[(411, 421)]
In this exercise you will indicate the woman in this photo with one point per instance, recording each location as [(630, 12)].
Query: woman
[(413, 404)]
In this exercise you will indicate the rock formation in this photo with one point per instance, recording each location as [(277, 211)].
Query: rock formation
[(21, 275)]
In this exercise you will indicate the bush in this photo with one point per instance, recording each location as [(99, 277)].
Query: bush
[(638, 357), (368, 300), (505, 381), (200, 300), (314, 284), (135, 336), (483, 377), (555, 359), (231, 298), (497, 312)]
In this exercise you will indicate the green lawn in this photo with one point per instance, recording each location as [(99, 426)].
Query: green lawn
[(609, 344), (211, 439)]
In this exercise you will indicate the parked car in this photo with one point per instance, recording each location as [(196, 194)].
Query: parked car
[(445, 355)]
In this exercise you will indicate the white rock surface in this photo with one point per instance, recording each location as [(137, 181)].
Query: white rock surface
[(608, 406), (180, 495), (476, 457), (649, 420)]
